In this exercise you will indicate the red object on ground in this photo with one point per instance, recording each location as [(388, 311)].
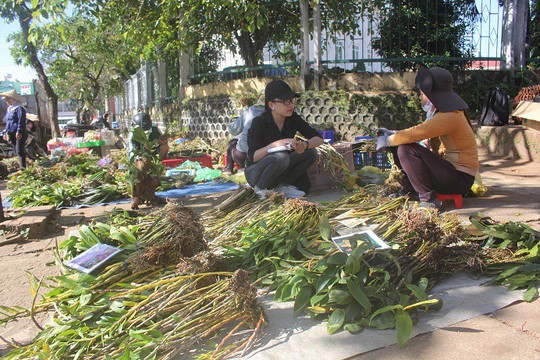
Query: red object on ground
[(457, 198), (205, 161), (236, 166)]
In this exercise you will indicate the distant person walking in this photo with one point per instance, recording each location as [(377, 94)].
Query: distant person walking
[(15, 131)]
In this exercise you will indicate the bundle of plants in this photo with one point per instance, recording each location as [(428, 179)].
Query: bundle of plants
[(356, 291), (287, 235), (223, 227), (105, 185), (364, 197), (144, 168), (195, 147), (424, 244), (368, 209), (168, 235), (510, 253), (335, 165), (181, 310), (37, 192), (155, 314)]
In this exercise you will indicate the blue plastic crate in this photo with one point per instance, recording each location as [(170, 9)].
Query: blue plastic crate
[(380, 160), (361, 159), (377, 159)]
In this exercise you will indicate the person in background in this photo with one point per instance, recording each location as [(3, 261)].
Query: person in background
[(238, 152), (15, 131), (449, 166), (238, 128), (275, 160), (147, 181), (144, 121)]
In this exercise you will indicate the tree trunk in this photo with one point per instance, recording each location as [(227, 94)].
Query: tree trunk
[(24, 21), (514, 32), (250, 50), (304, 66), (317, 39)]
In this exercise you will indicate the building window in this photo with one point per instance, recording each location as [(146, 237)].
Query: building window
[(356, 51), (340, 49)]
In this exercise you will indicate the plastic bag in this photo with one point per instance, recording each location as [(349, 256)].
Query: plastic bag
[(190, 165), (478, 189), (206, 174)]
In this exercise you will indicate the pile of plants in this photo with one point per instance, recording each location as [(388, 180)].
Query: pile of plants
[(174, 305), (76, 179), (184, 286), (195, 147), (290, 250)]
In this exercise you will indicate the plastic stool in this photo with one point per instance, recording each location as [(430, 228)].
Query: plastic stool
[(458, 199)]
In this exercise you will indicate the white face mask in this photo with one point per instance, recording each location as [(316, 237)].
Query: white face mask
[(427, 107)]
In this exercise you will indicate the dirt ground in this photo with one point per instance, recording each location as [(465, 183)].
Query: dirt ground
[(513, 195)]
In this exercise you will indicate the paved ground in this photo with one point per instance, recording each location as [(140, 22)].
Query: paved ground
[(510, 333)]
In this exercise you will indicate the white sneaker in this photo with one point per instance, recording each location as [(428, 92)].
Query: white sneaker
[(261, 193), (289, 191)]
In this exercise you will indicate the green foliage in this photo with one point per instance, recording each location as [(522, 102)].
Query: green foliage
[(77, 180), (353, 292), (87, 59), (143, 148), (245, 27), (522, 268), (534, 31), (413, 29)]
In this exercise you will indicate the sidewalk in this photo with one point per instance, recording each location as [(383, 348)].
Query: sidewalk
[(509, 333)]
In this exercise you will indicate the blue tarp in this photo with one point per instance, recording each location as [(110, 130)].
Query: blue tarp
[(199, 189)]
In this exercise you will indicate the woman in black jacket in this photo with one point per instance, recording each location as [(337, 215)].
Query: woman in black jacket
[(276, 161)]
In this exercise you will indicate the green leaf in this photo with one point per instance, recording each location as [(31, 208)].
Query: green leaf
[(324, 228), (353, 327), (358, 293), (423, 283), (352, 265), (302, 299), (84, 299), (335, 321), (316, 299), (530, 294), (386, 309), (403, 327), (340, 297), (337, 258), (422, 303), (417, 292)]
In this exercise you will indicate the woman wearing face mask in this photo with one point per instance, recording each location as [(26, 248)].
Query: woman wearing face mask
[(275, 160), (449, 166)]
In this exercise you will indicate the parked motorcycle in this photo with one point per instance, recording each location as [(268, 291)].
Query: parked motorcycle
[(33, 149)]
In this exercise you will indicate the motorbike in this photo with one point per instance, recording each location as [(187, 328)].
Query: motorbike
[(33, 149)]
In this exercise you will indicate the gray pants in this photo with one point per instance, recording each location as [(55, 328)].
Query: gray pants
[(281, 167)]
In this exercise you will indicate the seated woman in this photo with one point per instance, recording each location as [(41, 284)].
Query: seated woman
[(286, 170), (449, 166)]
